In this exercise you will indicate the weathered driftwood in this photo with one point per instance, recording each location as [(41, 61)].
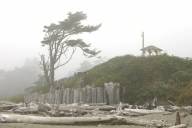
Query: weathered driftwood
[(87, 94), (26, 110), (178, 119), (187, 109), (7, 107), (5, 118), (179, 126), (44, 107), (81, 110), (75, 110), (31, 109), (86, 107), (126, 113), (171, 102), (142, 122), (144, 111), (12, 118), (172, 108), (68, 113)]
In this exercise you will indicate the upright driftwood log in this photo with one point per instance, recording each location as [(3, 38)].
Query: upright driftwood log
[(178, 119)]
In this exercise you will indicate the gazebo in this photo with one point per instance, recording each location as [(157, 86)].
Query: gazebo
[(151, 50)]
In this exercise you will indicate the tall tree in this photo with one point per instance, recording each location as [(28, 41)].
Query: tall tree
[(61, 44)]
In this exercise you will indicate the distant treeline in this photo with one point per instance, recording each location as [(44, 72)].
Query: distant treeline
[(13, 82)]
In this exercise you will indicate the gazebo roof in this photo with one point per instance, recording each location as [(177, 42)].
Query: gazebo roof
[(151, 47)]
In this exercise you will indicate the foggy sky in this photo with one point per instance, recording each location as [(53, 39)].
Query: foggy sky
[(166, 23)]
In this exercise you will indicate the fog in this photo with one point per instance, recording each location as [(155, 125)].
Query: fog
[(167, 25), (15, 81)]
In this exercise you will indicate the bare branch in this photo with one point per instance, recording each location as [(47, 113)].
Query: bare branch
[(67, 60)]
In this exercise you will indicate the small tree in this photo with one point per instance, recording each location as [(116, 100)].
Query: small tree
[(60, 41)]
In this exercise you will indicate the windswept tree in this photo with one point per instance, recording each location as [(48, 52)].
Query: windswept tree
[(61, 41)]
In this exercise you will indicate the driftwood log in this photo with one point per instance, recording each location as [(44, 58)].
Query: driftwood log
[(179, 126), (102, 108), (12, 118), (142, 112), (142, 122), (6, 105), (26, 110)]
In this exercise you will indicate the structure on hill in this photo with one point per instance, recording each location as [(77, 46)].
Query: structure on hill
[(151, 50)]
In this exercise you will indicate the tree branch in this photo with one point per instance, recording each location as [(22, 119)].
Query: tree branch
[(67, 60)]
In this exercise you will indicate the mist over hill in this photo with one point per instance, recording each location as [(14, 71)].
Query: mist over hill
[(14, 81)]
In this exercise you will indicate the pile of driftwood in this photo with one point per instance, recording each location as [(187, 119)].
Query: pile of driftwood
[(76, 114)]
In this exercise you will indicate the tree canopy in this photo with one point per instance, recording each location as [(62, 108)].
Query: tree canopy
[(61, 43)]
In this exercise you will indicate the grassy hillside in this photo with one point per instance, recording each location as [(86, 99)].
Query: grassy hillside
[(142, 78), (166, 77)]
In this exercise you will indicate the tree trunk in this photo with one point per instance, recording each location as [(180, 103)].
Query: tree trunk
[(45, 70), (52, 72), (52, 64)]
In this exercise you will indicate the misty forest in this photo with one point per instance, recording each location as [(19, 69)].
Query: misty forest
[(72, 83)]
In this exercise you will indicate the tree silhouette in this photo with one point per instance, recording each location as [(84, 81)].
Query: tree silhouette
[(60, 42)]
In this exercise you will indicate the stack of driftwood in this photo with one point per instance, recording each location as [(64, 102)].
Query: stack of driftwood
[(83, 114)]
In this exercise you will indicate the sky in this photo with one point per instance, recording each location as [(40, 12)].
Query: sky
[(167, 24)]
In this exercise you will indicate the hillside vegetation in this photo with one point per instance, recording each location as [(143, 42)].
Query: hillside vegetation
[(165, 77)]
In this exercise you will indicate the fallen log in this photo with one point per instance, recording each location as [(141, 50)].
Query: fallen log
[(179, 126), (12, 118), (142, 122), (172, 108), (101, 108), (187, 109), (7, 107), (44, 107), (144, 111), (126, 113), (26, 110), (171, 103), (68, 113)]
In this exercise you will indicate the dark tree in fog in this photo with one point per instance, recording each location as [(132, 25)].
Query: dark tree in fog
[(61, 44)]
